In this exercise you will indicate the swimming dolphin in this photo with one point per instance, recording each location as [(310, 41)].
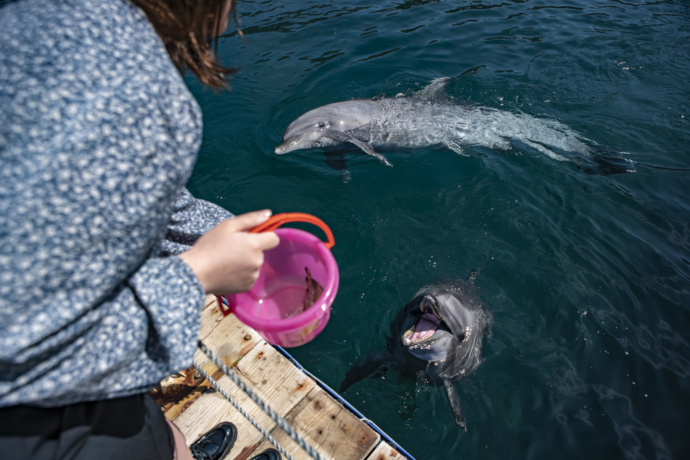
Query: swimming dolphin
[(430, 119), (437, 336)]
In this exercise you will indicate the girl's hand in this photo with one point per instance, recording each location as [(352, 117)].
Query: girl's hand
[(227, 259)]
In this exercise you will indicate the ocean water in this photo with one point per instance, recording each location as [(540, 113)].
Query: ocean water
[(587, 276)]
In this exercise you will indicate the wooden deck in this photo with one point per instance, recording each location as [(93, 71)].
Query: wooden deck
[(323, 421)]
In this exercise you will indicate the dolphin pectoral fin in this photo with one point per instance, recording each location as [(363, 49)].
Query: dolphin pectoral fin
[(335, 161), (455, 404), (366, 368), (369, 151), (366, 148)]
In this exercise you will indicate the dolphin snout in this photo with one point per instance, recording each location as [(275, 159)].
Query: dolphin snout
[(288, 145), (283, 148)]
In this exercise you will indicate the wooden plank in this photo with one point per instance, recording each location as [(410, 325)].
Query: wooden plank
[(210, 316), (274, 378), (385, 451), (229, 338), (209, 300), (268, 373), (328, 427)]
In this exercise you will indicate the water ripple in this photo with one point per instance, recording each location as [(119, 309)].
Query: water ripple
[(587, 276), (662, 348), (633, 433)]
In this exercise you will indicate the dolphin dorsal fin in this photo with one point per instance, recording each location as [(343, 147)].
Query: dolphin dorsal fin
[(434, 91)]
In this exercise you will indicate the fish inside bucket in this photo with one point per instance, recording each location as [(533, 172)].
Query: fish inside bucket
[(287, 296)]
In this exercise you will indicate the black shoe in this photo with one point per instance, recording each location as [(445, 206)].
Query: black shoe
[(215, 444), (269, 454)]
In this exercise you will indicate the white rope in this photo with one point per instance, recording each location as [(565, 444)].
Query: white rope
[(282, 424), (239, 408)]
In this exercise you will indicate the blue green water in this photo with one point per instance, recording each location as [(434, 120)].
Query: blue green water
[(587, 276)]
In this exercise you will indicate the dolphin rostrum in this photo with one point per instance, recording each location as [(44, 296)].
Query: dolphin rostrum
[(436, 336), (429, 118)]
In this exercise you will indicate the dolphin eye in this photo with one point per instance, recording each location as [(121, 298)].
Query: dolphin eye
[(321, 124)]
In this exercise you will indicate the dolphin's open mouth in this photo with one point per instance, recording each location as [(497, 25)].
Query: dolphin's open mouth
[(423, 329)]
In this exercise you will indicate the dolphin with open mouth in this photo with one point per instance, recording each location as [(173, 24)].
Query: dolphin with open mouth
[(436, 336)]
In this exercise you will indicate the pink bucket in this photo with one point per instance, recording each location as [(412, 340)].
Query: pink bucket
[(274, 307)]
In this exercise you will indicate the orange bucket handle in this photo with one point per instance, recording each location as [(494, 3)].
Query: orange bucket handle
[(279, 219)]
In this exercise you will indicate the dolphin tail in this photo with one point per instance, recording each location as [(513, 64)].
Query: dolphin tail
[(455, 404), (607, 163), (368, 367)]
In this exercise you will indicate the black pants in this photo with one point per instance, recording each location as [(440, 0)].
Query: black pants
[(130, 428)]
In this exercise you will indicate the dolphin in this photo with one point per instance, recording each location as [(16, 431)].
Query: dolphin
[(436, 336), (429, 118)]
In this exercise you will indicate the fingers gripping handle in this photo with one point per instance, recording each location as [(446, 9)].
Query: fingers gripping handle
[(279, 219)]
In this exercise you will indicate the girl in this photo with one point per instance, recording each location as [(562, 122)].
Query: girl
[(103, 266)]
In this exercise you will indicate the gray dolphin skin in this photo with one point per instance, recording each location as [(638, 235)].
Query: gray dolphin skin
[(437, 336), (429, 118)]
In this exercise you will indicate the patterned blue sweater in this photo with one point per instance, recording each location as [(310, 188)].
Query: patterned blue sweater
[(98, 137)]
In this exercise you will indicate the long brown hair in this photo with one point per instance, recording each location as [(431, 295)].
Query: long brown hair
[(187, 29)]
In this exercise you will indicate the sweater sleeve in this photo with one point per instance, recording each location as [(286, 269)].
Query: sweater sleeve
[(170, 293), (191, 218), (142, 331)]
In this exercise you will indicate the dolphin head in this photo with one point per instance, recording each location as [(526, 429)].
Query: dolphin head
[(317, 128), (443, 327), (425, 326)]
